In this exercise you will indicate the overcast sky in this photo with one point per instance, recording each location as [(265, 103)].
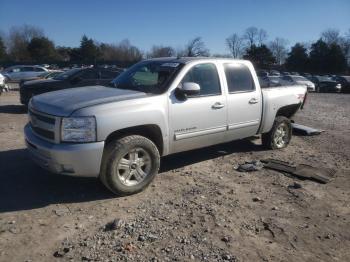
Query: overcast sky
[(174, 22)]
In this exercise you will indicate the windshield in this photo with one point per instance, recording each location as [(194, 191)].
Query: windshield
[(67, 74), (324, 78), (147, 76)]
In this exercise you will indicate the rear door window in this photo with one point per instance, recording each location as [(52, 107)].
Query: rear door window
[(239, 78), (27, 69), (38, 69)]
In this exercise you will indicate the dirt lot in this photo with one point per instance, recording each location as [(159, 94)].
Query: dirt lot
[(199, 208)]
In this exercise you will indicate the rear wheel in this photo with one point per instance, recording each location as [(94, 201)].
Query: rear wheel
[(280, 134), (129, 164)]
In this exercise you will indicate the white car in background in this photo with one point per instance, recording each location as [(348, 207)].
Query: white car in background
[(300, 80), (3, 85), (2, 80), (23, 72)]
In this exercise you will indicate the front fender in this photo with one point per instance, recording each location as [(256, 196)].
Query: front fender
[(114, 116)]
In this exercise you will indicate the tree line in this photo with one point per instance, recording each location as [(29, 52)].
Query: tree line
[(329, 54)]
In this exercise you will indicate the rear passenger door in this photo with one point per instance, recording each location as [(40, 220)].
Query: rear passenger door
[(27, 72), (199, 120), (244, 102)]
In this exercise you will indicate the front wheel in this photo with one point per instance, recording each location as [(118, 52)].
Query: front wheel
[(280, 134), (129, 164)]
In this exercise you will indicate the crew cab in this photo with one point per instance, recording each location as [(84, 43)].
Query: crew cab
[(155, 108)]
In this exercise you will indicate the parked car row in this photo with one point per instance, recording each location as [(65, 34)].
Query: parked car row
[(23, 72), (287, 80), (77, 77), (314, 83)]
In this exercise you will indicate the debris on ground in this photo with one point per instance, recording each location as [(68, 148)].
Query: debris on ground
[(251, 166), (302, 171), (305, 130), (114, 225), (295, 185), (257, 199)]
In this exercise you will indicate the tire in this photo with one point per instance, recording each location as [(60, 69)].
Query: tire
[(129, 165), (275, 139)]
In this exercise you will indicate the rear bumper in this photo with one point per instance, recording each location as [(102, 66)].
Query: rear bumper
[(66, 159)]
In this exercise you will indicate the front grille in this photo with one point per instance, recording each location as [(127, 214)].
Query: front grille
[(43, 118), (43, 125), (43, 132)]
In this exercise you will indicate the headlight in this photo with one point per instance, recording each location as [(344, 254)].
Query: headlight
[(78, 129)]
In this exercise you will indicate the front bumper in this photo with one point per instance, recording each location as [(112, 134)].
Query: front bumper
[(66, 159)]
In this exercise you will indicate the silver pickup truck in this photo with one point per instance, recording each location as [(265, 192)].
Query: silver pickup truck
[(155, 108)]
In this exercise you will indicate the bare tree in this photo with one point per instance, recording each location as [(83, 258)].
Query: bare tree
[(347, 35), (278, 48), (123, 51), (196, 47), (161, 51), (235, 45), (251, 35), (346, 46), (331, 36), (262, 36), (19, 38)]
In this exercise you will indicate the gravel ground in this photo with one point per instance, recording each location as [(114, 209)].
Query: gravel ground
[(199, 208)]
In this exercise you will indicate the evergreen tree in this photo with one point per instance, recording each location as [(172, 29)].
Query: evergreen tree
[(297, 59), (260, 56), (41, 49), (3, 54), (89, 52)]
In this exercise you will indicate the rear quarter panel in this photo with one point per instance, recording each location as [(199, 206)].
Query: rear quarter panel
[(277, 98)]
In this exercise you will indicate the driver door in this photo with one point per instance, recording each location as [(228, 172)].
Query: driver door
[(200, 120)]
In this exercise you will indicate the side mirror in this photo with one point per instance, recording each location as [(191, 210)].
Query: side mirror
[(187, 89)]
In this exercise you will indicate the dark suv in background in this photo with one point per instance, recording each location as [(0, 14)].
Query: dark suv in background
[(344, 81), (77, 77), (325, 84)]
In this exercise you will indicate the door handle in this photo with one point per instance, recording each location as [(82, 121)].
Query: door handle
[(217, 105), (253, 101)]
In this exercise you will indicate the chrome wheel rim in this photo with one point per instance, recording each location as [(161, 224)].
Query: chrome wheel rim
[(281, 136), (134, 166)]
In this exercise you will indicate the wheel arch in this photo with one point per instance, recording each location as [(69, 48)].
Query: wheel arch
[(151, 131), (288, 111)]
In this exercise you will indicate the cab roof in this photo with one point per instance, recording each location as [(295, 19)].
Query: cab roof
[(186, 60)]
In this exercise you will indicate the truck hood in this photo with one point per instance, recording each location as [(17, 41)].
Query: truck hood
[(65, 102)]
